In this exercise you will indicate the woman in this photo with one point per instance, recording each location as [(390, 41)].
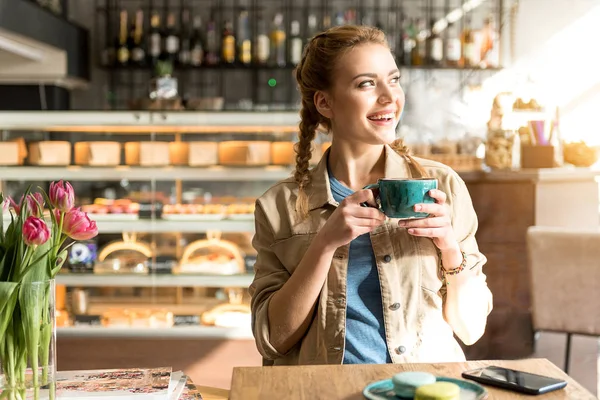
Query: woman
[(340, 283)]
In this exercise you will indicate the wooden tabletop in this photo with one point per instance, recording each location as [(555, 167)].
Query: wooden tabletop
[(347, 381), (211, 393)]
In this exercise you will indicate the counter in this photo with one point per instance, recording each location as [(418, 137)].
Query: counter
[(507, 203)]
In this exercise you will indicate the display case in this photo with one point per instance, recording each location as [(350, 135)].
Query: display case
[(173, 259), (174, 240)]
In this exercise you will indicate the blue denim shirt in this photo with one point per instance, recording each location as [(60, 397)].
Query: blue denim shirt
[(365, 331)]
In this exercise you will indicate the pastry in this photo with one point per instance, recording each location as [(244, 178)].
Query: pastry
[(438, 391), (405, 383)]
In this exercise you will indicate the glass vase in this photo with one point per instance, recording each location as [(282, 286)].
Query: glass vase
[(28, 342)]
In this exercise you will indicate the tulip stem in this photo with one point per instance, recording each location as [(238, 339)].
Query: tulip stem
[(24, 264)]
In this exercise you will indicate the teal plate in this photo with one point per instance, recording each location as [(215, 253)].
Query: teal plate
[(384, 390)]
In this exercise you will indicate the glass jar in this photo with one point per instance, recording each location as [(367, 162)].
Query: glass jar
[(503, 149)]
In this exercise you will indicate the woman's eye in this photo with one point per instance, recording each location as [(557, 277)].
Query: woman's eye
[(396, 79), (366, 84)]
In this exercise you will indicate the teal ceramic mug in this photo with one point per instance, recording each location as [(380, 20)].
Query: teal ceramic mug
[(397, 197)]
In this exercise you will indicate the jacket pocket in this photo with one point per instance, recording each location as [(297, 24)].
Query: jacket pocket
[(430, 265), (291, 250)]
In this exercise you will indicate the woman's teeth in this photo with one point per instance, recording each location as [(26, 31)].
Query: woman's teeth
[(382, 116)]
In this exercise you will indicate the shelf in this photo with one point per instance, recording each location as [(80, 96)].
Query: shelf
[(444, 68), (192, 332), (151, 121), (132, 280), (77, 173), (160, 226), (240, 67), (202, 68)]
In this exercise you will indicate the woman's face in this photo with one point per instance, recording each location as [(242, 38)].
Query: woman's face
[(366, 100)]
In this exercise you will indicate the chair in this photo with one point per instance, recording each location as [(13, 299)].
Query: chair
[(564, 268)]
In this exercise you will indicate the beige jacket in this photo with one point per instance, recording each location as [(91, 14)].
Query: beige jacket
[(411, 288)]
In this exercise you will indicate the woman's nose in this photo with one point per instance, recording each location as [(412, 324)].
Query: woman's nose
[(387, 95)]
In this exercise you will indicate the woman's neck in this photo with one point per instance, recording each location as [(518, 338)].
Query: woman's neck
[(356, 166)]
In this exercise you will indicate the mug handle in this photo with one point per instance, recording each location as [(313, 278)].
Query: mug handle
[(373, 186)]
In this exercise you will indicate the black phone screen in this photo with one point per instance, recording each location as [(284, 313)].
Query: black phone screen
[(515, 380)]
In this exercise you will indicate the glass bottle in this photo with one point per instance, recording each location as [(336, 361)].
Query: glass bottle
[(453, 47), (278, 41), (123, 50), (197, 43), (296, 43), (228, 44), (262, 43), (243, 37), (138, 53)]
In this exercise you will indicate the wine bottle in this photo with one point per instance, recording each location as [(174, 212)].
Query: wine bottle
[(197, 43), (185, 40), (244, 43), (469, 55), (155, 40), (212, 55), (419, 52), (435, 46), (453, 47), (138, 53), (171, 39), (123, 50), (278, 42), (228, 43), (296, 43), (262, 42)]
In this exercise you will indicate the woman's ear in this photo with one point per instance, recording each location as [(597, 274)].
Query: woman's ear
[(323, 104)]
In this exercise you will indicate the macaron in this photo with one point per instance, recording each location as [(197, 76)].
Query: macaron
[(438, 391), (405, 383)]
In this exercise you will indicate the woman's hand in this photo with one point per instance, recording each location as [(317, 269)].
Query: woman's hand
[(437, 226), (351, 220)]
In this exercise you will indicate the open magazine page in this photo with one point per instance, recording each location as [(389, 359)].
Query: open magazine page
[(119, 384)]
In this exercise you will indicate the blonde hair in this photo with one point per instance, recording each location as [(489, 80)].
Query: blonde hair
[(315, 73)]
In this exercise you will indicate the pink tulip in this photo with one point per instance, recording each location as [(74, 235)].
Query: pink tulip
[(57, 214), (78, 226), (35, 231), (5, 204), (35, 204), (14, 205), (62, 196)]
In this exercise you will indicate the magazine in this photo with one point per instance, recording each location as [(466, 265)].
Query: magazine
[(118, 384)]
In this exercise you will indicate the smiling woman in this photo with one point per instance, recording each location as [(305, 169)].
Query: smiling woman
[(338, 282)]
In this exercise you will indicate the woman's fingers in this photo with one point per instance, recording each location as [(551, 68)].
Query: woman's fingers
[(438, 196)]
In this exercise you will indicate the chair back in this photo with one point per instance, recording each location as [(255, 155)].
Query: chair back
[(564, 266)]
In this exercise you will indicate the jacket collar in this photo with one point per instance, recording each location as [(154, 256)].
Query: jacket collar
[(319, 192)]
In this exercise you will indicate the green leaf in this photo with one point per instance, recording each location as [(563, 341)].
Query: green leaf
[(38, 270), (8, 299), (2, 219), (33, 300), (62, 257)]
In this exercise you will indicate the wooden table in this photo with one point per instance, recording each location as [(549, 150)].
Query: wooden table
[(210, 393), (347, 381)]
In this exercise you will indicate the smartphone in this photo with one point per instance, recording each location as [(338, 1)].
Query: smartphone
[(517, 381)]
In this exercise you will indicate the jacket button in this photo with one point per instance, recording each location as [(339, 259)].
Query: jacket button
[(395, 306), (340, 300), (337, 348), (401, 350), (387, 258)]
